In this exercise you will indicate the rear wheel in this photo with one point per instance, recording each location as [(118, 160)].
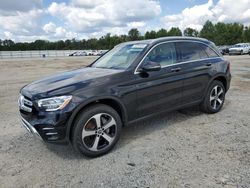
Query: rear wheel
[(214, 99), (97, 130)]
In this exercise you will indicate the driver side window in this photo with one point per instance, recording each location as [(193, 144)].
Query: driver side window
[(164, 54)]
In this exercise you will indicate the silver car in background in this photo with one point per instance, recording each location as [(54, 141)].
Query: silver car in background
[(239, 49)]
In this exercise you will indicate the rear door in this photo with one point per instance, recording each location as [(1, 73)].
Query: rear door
[(197, 66)]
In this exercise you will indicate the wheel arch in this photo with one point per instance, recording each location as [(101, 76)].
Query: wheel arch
[(113, 102), (220, 77)]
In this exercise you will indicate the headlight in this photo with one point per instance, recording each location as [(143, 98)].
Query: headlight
[(54, 103)]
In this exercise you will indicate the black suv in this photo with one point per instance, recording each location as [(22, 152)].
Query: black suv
[(88, 107)]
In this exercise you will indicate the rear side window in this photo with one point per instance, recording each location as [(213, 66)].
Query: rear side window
[(189, 51), (210, 52), (164, 54)]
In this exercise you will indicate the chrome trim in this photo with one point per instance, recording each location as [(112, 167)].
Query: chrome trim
[(25, 104), (48, 128), (48, 134), (27, 127), (30, 128), (25, 108), (179, 63)]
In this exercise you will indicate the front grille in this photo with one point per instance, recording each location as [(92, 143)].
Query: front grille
[(25, 104)]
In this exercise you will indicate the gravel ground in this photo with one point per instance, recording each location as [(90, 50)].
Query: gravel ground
[(179, 149)]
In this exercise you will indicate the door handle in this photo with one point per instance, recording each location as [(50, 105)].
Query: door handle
[(175, 69), (208, 64)]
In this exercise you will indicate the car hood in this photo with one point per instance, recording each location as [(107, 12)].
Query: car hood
[(66, 82)]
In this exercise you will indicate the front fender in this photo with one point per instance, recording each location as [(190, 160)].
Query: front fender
[(94, 100)]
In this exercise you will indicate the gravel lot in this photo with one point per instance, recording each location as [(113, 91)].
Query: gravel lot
[(179, 149)]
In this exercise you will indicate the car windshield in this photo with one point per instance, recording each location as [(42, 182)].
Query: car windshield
[(120, 57)]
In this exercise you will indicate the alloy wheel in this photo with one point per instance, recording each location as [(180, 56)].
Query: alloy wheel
[(216, 97), (99, 131)]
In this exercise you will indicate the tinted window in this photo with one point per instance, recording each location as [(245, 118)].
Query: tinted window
[(164, 54), (210, 52), (189, 51)]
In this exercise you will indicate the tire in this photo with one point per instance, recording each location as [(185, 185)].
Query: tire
[(241, 52), (212, 103), (96, 131)]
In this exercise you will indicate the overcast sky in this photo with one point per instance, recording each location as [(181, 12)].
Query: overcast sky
[(28, 20)]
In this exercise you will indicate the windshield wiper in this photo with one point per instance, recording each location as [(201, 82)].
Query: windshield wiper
[(101, 67), (112, 67), (116, 67)]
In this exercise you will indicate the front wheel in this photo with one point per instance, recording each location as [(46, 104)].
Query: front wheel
[(214, 98), (97, 130)]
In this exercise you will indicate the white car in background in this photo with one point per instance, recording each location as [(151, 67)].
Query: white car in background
[(94, 53), (78, 53), (240, 48)]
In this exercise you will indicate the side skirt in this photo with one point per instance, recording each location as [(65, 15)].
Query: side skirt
[(163, 112)]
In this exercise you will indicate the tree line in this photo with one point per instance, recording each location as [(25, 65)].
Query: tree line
[(220, 33)]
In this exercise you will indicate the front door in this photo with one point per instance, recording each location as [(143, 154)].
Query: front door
[(159, 90)]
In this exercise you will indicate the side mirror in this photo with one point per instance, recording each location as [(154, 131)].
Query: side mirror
[(151, 66)]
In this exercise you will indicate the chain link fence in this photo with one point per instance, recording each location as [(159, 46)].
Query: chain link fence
[(37, 54)]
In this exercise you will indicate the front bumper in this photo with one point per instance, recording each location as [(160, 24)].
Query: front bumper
[(51, 128), (30, 129)]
